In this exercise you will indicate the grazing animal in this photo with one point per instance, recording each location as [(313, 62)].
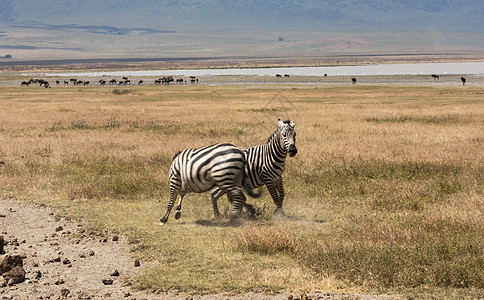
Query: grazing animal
[(287, 75), (278, 75), (201, 169), (265, 165), (66, 82), (140, 82), (435, 77), (463, 80), (353, 80), (112, 82)]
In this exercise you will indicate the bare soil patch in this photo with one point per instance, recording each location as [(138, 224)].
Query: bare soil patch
[(62, 259)]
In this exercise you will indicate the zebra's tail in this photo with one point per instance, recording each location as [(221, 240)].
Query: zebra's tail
[(248, 189)]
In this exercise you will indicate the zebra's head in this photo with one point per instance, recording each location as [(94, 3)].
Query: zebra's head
[(288, 136)]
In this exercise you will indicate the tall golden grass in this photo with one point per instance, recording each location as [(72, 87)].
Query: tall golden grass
[(385, 194)]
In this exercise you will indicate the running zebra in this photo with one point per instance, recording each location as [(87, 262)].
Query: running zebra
[(265, 165), (201, 169)]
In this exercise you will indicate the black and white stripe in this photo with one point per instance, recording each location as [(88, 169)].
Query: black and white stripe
[(201, 169), (265, 165)]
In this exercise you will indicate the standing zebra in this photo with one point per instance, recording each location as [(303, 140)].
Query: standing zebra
[(265, 164), (201, 169)]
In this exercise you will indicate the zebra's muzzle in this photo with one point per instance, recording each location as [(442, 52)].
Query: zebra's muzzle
[(292, 150)]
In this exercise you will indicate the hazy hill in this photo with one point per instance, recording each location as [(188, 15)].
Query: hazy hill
[(202, 27), (462, 14)]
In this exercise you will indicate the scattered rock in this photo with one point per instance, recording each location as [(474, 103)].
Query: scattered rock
[(91, 253), (136, 263), (83, 295), (60, 228), (37, 274), (107, 281), (2, 244), (15, 275), (59, 281), (57, 259), (3, 216), (115, 273), (115, 238), (66, 261), (65, 293), (8, 262)]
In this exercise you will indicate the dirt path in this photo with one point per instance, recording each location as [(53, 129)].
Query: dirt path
[(64, 261)]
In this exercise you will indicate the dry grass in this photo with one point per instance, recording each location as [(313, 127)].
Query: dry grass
[(386, 192)]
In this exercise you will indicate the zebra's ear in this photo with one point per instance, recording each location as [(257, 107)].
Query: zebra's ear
[(293, 124), (280, 122)]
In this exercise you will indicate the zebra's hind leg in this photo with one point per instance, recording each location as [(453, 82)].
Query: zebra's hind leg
[(178, 207), (216, 193), (238, 201), (171, 202)]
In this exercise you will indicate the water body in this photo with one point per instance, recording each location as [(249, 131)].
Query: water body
[(465, 68)]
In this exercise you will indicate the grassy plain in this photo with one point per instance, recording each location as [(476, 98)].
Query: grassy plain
[(385, 194)]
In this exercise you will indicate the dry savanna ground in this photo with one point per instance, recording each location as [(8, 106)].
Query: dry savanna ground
[(385, 194)]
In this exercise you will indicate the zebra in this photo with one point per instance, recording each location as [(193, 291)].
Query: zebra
[(198, 170), (265, 165)]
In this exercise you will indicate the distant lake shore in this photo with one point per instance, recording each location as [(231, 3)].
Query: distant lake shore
[(457, 68)]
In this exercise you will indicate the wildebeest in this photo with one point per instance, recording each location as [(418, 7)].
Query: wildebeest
[(353, 80), (463, 80), (435, 77)]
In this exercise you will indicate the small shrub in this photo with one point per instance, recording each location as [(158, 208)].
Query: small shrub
[(122, 92)]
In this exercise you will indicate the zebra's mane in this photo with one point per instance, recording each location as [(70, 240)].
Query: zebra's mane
[(176, 154), (287, 122)]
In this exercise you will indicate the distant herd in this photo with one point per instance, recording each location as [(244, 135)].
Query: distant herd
[(166, 80)]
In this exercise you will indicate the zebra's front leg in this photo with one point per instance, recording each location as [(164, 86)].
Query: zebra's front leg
[(216, 194), (171, 202), (178, 207), (280, 191), (274, 188)]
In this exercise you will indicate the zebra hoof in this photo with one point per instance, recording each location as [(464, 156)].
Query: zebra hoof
[(234, 222), (161, 223), (177, 214), (279, 215)]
